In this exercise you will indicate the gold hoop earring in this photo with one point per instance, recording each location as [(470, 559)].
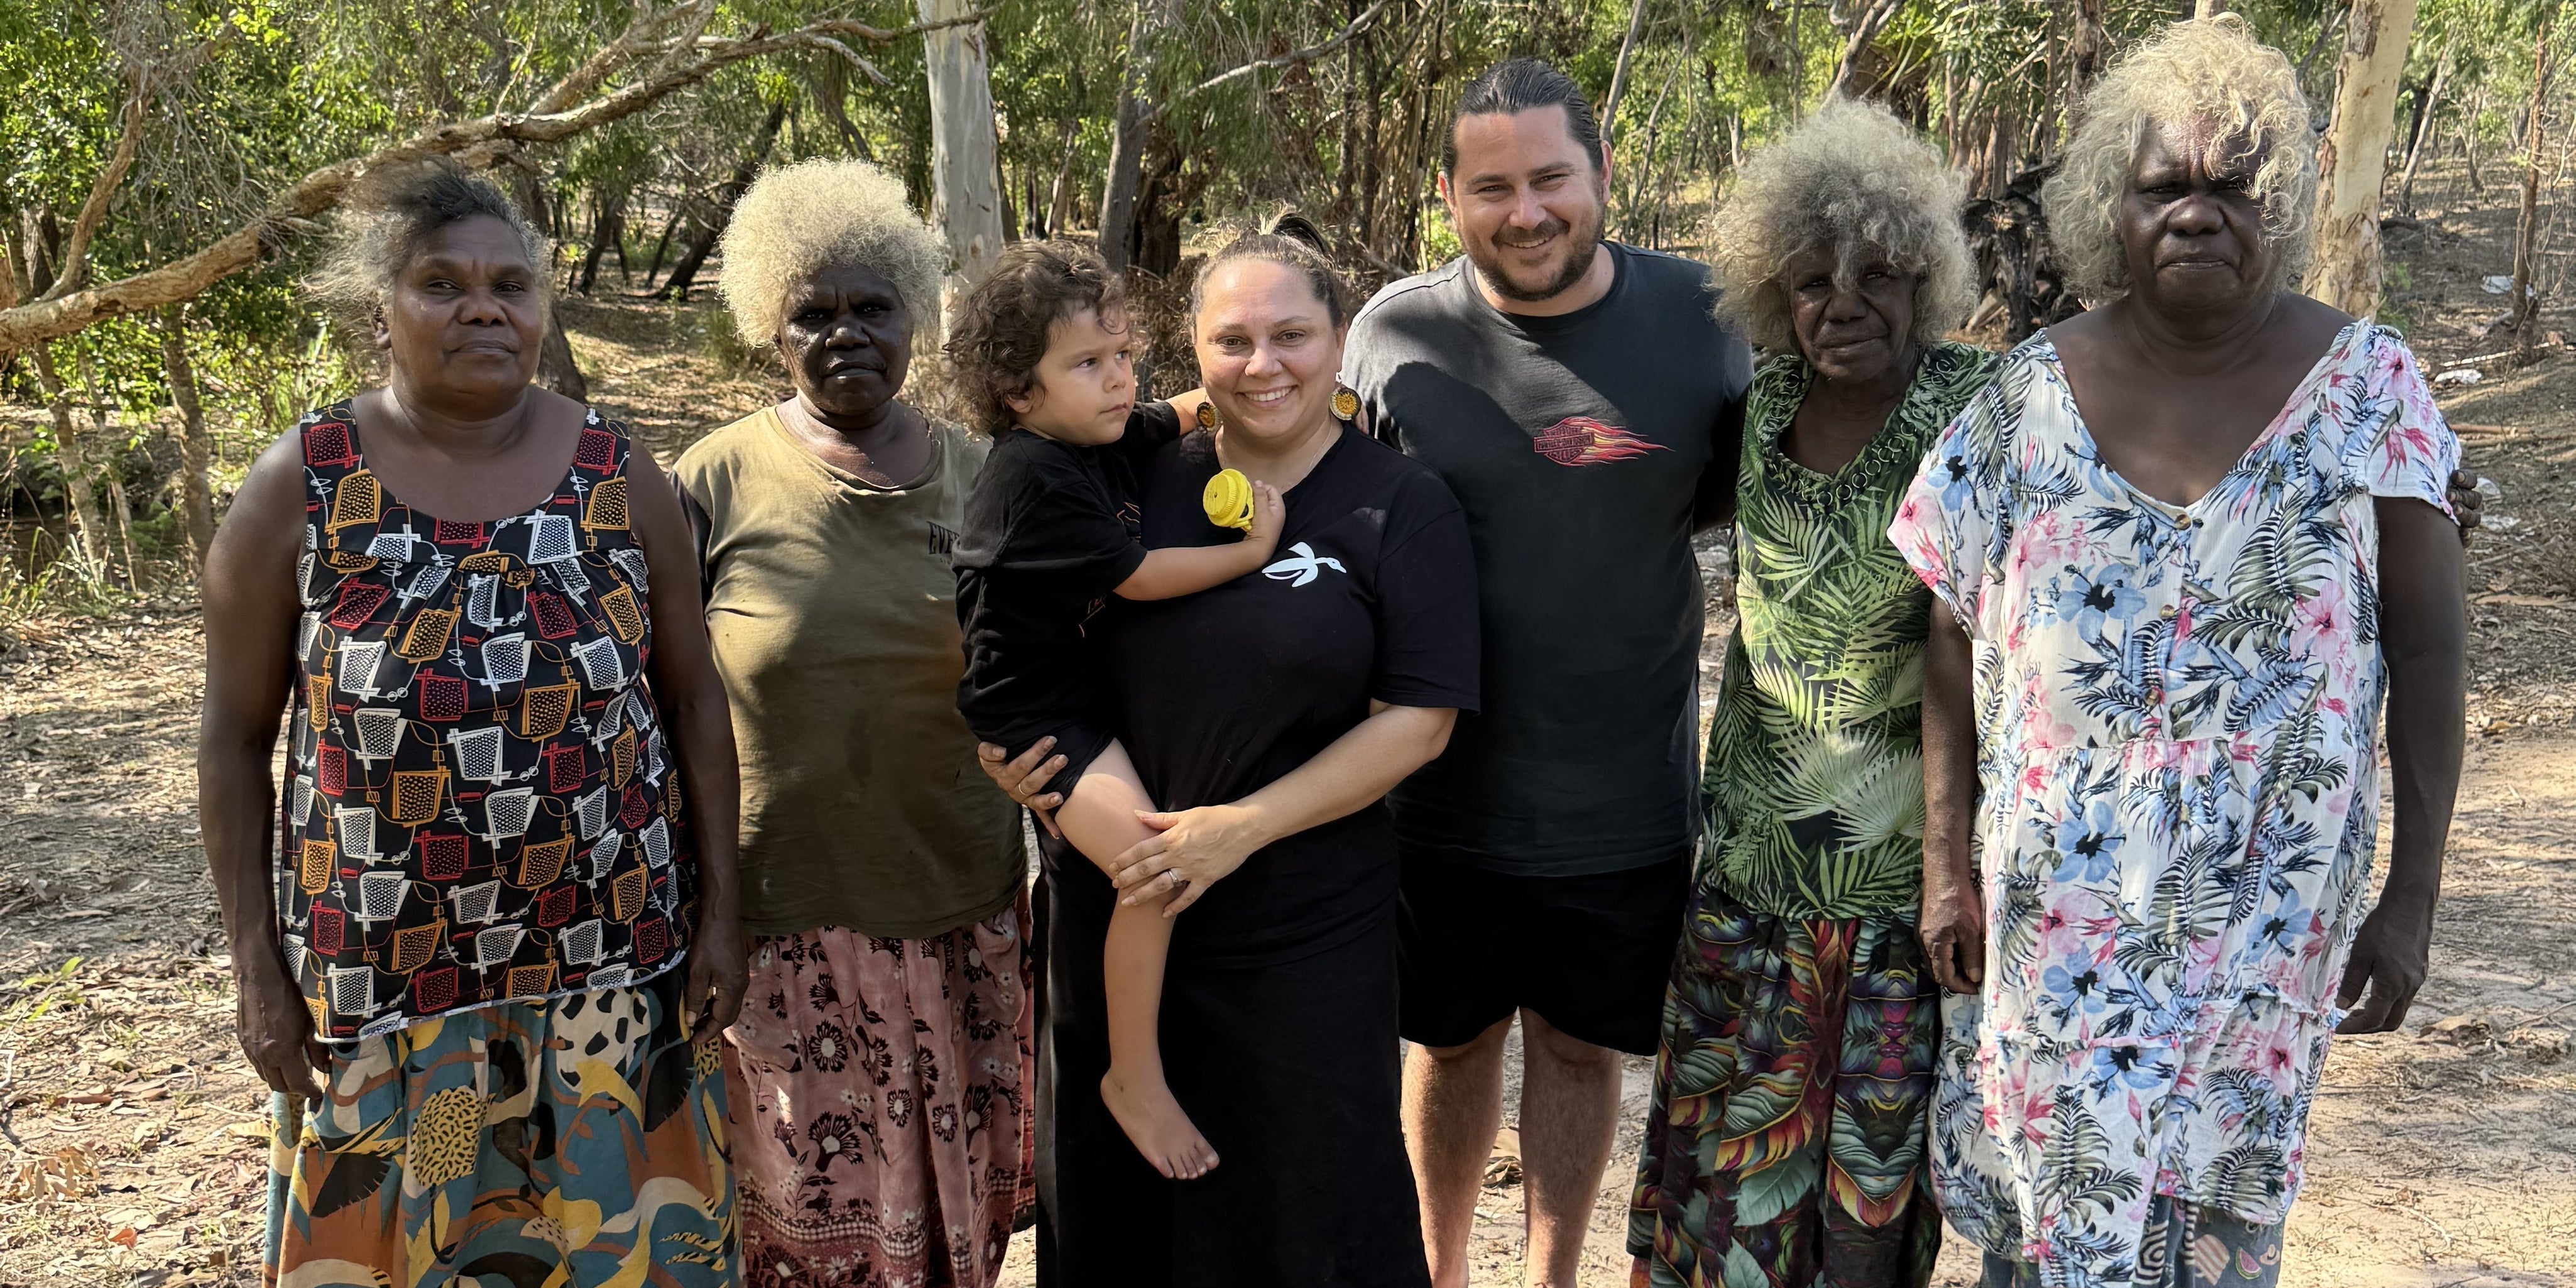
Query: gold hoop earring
[(1346, 404), (1206, 415)]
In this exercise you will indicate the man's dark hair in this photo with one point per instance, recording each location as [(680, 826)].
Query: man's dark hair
[(1519, 85)]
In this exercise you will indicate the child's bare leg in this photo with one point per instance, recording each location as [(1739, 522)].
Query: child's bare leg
[(1099, 817), (1133, 1088)]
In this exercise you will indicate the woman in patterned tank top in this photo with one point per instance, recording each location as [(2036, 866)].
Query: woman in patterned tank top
[(485, 911)]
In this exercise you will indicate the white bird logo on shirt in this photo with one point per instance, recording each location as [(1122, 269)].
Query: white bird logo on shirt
[(1304, 568)]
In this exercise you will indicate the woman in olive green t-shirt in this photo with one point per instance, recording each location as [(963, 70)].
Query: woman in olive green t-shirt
[(879, 1072)]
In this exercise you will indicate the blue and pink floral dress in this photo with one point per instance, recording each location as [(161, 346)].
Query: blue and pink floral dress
[(2177, 714)]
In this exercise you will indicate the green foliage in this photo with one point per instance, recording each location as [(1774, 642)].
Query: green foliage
[(245, 96), (42, 992)]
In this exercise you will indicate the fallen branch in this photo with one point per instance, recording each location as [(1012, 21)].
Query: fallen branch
[(2450, 364)]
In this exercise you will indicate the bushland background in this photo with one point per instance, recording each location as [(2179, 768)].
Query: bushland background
[(171, 165)]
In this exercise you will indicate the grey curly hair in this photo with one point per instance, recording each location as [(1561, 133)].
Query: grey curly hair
[(802, 218), (1852, 177), (390, 215), (2204, 70)]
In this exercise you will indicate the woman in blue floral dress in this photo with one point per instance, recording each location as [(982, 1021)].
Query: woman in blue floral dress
[(2190, 543)]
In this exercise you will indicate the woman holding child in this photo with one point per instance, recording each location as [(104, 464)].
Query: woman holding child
[(879, 1076), (1265, 717)]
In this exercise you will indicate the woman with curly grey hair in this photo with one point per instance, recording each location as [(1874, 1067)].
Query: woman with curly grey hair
[(879, 1076), (1785, 1143), (483, 911), (2189, 546)]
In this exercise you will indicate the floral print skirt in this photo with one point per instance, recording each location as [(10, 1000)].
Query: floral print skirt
[(1786, 1142), (2186, 1245), (880, 1092), (576, 1139)]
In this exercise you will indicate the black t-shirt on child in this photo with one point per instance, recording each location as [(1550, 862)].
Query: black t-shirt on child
[(1051, 531), (1372, 595)]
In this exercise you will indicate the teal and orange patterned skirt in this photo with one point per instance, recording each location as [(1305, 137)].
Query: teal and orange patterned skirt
[(1786, 1144), (574, 1140)]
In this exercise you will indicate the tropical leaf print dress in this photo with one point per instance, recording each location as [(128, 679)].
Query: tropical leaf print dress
[(2177, 713), (485, 890), (1785, 1146)]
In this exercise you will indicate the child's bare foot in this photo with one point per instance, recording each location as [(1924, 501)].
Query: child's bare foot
[(1159, 1126)]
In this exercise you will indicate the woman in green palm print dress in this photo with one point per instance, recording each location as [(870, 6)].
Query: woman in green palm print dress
[(1786, 1143)]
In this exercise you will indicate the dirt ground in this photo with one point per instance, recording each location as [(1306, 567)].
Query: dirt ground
[(132, 1134)]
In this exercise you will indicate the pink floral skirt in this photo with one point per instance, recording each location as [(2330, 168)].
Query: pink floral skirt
[(878, 1092)]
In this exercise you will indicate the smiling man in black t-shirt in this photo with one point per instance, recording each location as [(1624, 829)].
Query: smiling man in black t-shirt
[(1584, 407)]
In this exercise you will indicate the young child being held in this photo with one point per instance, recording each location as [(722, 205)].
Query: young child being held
[(1044, 352)]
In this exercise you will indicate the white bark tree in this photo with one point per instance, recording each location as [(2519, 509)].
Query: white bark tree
[(89, 531), (966, 198), (2353, 160)]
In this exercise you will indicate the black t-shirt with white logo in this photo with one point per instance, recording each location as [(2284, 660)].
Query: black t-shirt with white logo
[(1579, 447), (1372, 595)]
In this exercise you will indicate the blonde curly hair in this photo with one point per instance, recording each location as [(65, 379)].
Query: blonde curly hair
[(1852, 177), (2202, 70), (799, 219)]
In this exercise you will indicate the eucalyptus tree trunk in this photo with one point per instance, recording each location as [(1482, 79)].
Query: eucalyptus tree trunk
[(685, 273), (1060, 212), (1619, 73), (115, 509), (556, 369), (196, 495), (2425, 107), (89, 533), (2526, 235), (1127, 141), (965, 201), (607, 229), (2344, 271)]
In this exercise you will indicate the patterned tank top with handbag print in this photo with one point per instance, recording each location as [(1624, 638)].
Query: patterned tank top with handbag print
[(481, 807)]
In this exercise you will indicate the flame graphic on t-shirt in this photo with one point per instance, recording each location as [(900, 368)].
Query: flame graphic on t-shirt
[(1581, 440)]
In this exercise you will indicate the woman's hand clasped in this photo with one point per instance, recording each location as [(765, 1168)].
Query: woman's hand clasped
[(1194, 849)]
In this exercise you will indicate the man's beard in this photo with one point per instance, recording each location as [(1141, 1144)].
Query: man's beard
[(1578, 262)]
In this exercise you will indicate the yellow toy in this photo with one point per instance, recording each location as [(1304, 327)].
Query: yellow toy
[(1229, 500)]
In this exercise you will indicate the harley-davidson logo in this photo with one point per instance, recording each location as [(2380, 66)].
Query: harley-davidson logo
[(1581, 440)]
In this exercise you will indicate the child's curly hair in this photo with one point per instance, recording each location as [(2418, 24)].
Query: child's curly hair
[(1001, 333)]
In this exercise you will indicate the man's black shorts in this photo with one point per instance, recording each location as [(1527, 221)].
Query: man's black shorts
[(1590, 954)]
